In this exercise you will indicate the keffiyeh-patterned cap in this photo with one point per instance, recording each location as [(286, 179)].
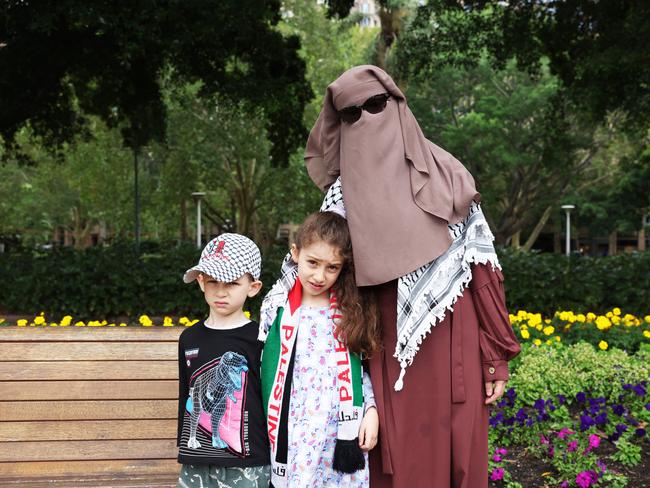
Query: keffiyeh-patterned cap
[(227, 258)]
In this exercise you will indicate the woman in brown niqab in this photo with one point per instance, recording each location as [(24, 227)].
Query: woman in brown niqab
[(395, 179), (416, 229)]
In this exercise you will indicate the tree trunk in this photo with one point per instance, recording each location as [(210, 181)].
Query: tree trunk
[(641, 235), (538, 229), (613, 243), (184, 235), (515, 240)]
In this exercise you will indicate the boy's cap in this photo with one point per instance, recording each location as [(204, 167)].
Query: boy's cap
[(227, 258)]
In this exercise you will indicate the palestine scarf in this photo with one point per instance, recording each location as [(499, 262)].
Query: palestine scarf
[(424, 296), (277, 372)]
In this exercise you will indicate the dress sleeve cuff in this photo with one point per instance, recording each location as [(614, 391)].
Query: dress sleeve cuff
[(495, 371)]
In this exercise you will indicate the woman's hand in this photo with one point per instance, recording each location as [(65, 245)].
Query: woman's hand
[(369, 430), (494, 390)]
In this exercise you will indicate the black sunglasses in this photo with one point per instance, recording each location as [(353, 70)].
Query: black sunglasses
[(373, 105)]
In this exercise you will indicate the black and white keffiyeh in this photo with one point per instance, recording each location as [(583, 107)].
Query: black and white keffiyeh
[(423, 296)]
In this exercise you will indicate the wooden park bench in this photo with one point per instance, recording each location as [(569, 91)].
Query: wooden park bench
[(91, 406)]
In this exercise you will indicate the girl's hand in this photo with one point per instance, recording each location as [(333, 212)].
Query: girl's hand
[(369, 430), (494, 391)]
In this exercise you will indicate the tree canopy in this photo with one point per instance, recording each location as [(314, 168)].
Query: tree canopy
[(60, 60), (594, 47)]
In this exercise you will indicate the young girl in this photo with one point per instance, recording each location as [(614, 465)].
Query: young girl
[(321, 416)]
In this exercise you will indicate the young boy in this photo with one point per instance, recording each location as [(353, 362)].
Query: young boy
[(221, 423)]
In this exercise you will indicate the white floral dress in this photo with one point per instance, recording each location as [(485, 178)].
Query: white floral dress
[(312, 424)]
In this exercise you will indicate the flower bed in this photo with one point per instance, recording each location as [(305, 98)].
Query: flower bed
[(578, 414)]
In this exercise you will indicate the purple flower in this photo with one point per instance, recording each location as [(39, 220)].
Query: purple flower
[(564, 433), (620, 428), (530, 422), (601, 465), (647, 406), (551, 451), (627, 386), (614, 437), (501, 403), (564, 484), (521, 415), (581, 397), (543, 440), (639, 390), (501, 451), (496, 458), (585, 479), (618, 409), (496, 419), (562, 400), (539, 404), (601, 419), (639, 432), (511, 393), (585, 422), (497, 474), (572, 446)]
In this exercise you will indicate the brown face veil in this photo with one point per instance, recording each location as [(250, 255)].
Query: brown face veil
[(400, 190)]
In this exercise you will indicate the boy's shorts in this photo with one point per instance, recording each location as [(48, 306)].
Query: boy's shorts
[(208, 476)]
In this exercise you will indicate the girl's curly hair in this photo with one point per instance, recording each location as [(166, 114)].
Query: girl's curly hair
[(360, 323)]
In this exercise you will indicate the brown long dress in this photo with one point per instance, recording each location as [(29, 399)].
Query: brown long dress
[(433, 433)]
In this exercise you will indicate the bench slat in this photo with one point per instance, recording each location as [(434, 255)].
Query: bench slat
[(89, 370), (80, 450), (51, 469), (87, 351), (88, 410), (78, 334), (53, 430), (89, 390)]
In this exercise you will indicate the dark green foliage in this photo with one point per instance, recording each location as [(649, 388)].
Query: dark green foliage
[(113, 281), (541, 282), (107, 58), (595, 47)]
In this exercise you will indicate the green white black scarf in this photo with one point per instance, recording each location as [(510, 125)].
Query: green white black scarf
[(277, 372)]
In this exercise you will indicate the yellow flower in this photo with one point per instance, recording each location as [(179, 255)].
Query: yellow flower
[(65, 321), (616, 311), (558, 339), (539, 327), (145, 321), (591, 317), (616, 319), (21, 323), (647, 318), (547, 321), (79, 324), (537, 342), (549, 342), (40, 320), (1, 320), (525, 334), (111, 324), (603, 323), (122, 324), (548, 330), (183, 320), (534, 319), (248, 314), (513, 318), (53, 324), (580, 318), (603, 345), (646, 334)]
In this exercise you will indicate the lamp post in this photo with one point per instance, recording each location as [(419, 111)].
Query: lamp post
[(567, 209), (198, 196)]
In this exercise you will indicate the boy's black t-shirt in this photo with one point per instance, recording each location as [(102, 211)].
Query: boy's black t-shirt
[(220, 392)]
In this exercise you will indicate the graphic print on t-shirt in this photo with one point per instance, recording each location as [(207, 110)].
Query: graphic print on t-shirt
[(216, 403)]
